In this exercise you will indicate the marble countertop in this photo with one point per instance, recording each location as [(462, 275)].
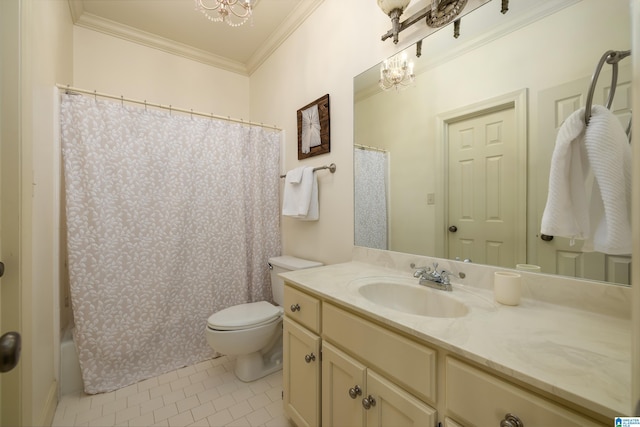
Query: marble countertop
[(580, 356)]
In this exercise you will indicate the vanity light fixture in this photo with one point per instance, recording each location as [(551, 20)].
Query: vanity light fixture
[(394, 9), (436, 15), (233, 12), (396, 72)]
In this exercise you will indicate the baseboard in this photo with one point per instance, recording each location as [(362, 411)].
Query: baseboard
[(49, 408)]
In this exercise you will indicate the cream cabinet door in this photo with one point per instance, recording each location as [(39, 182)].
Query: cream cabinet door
[(392, 406), (343, 386), (301, 374)]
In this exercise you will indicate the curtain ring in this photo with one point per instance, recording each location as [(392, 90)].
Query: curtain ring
[(145, 105), (192, 114), (169, 109), (122, 100), (95, 95)]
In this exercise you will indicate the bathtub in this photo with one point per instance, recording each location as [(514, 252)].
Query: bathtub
[(70, 376)]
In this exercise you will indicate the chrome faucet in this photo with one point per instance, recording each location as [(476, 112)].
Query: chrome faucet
[(433, 278)]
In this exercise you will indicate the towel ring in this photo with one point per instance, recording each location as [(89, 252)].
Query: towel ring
[(611, 57)]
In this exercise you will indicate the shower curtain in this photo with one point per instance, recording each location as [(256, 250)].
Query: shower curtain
[(169, 219), (370, 201)]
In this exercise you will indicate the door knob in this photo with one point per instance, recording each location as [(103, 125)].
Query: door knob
[(453, 228), (10, 346), (295, 307), (309, 358), (1, 269)]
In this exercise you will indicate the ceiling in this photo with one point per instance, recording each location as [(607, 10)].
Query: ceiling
[(175, 26)]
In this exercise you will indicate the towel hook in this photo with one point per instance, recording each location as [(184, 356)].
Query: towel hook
[(611, 57)]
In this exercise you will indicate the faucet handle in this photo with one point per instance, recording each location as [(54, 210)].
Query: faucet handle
[(420, 271), (435, 267), (444, 275)]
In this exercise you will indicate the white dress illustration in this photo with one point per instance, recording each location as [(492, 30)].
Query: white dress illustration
[(310, 129)]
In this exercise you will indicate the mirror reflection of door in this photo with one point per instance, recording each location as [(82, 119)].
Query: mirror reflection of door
[(559, 256), (485, 201)]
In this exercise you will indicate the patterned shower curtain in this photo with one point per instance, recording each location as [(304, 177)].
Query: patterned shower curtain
[(169, 219), (370, 201)]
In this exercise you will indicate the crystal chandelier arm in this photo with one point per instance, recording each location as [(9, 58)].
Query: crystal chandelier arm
[(241, 9)]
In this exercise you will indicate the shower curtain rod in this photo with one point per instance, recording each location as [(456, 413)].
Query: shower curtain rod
[(366, 147), (71, 90)]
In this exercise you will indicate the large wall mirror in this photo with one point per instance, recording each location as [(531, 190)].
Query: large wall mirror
[(503, 88)]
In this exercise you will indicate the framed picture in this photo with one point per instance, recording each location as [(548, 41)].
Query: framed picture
[(313, 128)]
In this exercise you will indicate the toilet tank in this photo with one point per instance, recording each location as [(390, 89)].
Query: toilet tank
[(282, 264)]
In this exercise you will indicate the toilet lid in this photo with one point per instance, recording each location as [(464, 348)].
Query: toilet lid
[(244, 316)]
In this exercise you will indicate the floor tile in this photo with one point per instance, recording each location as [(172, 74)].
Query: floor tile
[(206, 394)]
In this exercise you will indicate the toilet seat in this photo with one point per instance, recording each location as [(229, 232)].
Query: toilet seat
[(244, 316)]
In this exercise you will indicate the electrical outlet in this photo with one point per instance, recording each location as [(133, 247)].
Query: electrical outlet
[(431, 199)]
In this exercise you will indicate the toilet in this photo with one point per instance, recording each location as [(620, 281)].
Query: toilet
[(252, 332)]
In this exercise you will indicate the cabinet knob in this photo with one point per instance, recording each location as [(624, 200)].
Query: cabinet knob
[(309, 358), (355, 391), (368, 402), (511, 420), (295, 307)]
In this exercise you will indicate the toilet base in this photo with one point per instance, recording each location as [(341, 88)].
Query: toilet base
[(253, 366)]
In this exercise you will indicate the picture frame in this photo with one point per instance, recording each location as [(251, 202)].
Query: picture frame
[(314, 135)]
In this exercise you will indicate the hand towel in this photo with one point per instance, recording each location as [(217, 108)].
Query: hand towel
[(294, 175), (301, 200), (601, 218)]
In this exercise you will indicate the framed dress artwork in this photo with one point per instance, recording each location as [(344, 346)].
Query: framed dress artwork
[(313, 128)]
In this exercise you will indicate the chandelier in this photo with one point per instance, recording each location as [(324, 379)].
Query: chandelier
[(233, 12), (396, 73)]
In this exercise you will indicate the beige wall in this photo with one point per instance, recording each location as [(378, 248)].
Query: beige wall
[(118, 67), (321, 57), (46, 59)]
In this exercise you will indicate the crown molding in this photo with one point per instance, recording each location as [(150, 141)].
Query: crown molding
[(290, 24), (297, 16), (144, 38)]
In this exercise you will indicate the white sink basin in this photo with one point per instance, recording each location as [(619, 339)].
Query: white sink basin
[(413, 299)]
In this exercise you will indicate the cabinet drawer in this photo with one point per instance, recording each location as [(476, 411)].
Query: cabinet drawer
[(476, 398), (408, 363), (302, 308)]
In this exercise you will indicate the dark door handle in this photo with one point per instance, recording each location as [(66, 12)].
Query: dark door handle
[(453, 228), (1, 269), (10, 346)]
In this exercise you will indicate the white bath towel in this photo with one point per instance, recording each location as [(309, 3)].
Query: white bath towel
[(602, 218), (300, 200)]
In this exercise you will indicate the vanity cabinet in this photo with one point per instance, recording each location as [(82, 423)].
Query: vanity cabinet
[(381, 378), (476, 398), (346, 369), (301, 358), (356, 396)]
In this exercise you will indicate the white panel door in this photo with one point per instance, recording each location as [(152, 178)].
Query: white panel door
[(482, 216), (10, 382), (559, 256)]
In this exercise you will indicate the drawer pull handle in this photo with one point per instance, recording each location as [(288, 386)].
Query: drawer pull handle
[(368, 402), (511, 420), (295, 307), (355, 391), (310, 358)]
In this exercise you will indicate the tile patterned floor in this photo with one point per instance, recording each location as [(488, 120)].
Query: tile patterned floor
[(204, 395)]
